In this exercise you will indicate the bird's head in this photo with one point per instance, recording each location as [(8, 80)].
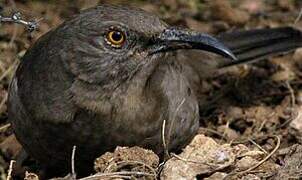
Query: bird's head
[(108, 44)]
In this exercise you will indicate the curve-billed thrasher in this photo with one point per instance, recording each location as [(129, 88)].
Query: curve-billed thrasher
[(111, 75)]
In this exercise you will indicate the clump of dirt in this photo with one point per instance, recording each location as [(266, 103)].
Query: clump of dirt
[(134, 159), (291, 167)]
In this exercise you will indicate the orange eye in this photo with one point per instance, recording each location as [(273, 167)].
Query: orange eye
[(115, 38)]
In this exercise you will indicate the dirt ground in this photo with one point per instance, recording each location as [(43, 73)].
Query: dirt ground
[(251, 128)]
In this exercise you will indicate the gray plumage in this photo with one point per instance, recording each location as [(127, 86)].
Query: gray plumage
[(73, 88)]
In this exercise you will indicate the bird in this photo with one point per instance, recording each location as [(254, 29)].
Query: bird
[(120, 76)]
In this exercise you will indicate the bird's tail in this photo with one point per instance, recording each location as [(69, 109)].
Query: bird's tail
[(260, 43)]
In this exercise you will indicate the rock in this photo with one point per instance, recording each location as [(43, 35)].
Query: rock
[(292, 168), (245, 163), (11, 147), (31, 176), (202, 156), (284, 75), (296, 123), (216, 176), (250, 177), (257, 155), (240, 149)]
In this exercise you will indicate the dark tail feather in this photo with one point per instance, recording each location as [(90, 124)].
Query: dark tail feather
[(258, 44)]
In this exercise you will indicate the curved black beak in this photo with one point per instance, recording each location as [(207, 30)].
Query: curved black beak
[(174, 39)]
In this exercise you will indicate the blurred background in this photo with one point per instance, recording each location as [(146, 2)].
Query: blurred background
[(257, 100)]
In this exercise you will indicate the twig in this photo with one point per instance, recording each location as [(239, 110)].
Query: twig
[(10, 170), (12, 40), (110, 175), (258, 164), (257, 145), (17, 18), (262, 125), (164, 139), (225, 131), (299, 17), (9, 70), (3, 101), (126, 163), (265, 120), (173, 121), (213, 167), (292, 93), (73, 173), (293, 103), (193, 161), (2, 67), (109, 165), (160, 167), (4, 127), (265, 159), (213, 131), (13, 4), (188, 160)]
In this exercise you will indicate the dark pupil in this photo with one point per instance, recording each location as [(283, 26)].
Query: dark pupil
[(117, 36)]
